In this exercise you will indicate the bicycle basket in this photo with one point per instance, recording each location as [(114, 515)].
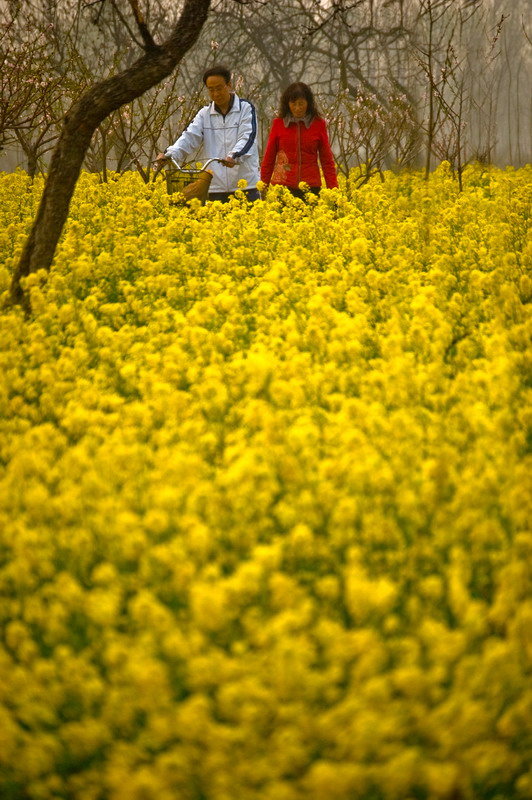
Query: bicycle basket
[(189, 182), (177, 180)]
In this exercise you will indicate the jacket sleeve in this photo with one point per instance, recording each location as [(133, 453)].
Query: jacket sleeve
[(327, 159), (189, 141), (270, 154), (247, 131)]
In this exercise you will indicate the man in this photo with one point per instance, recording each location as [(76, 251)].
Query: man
[(225, 129)]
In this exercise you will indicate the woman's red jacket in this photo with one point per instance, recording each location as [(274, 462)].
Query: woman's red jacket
[(292, 152)]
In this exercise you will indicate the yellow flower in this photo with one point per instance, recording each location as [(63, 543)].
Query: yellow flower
[(273, 491)]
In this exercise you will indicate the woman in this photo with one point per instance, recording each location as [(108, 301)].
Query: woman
[(297, 139)]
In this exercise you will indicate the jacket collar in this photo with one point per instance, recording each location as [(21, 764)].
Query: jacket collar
[(215, 110), (307, 119)]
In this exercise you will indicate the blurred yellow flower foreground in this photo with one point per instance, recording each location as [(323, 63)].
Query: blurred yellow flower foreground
[(265, 495)]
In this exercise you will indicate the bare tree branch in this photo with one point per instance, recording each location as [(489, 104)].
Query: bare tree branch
[(81, 122)]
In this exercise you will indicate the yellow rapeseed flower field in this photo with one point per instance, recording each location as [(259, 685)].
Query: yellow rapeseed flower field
[(266, 495)]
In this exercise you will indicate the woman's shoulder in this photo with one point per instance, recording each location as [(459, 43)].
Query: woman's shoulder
[(319, 126), (274, 123)]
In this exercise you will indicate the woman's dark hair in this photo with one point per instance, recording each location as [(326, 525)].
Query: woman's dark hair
[(218, 69), (294, 92)]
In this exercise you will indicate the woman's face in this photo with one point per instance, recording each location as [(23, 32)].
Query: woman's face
[(298, 107)]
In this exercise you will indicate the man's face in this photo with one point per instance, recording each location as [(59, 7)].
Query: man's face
[(219, 90)]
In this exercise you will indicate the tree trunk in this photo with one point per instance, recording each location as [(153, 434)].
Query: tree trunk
[(81, 121)]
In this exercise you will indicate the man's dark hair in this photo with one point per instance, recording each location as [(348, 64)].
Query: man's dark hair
[(218, 69), (294, 92)]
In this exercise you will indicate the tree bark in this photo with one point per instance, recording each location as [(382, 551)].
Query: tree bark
[(80, 123)]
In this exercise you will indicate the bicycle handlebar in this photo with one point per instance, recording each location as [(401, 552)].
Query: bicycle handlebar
[(209, 161)]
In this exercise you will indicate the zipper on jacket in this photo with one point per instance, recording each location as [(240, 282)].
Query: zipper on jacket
[(225, 153), (227, 170), (298, 152)]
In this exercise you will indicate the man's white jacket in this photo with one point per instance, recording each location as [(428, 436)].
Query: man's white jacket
[(213, 135)]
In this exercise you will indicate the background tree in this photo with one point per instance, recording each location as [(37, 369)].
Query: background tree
[(27, 92), (375, 49)]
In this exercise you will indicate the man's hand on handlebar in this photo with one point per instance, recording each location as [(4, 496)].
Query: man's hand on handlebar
[(159, 162)]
